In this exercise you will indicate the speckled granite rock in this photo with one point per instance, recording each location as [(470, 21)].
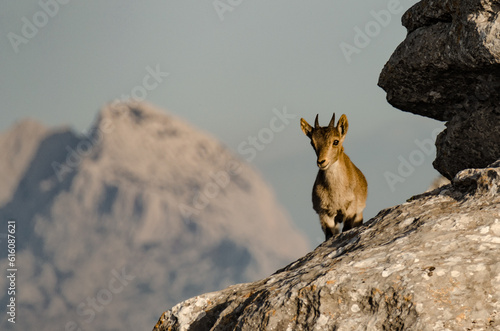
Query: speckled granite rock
[(448, 68), (428, 264)]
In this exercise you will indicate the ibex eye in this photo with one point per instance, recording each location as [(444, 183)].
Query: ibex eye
[(335, 142)]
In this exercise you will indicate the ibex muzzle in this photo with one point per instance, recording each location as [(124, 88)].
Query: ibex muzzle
[(340, 190)]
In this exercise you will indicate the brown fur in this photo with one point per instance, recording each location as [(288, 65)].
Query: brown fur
[(340, 190)]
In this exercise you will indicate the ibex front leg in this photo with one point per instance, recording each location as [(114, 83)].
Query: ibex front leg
[(330, 224)]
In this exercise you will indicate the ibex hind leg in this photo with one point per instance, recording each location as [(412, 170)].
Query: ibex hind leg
[(358, 220)]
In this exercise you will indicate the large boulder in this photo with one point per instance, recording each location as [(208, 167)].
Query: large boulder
[(448, 68), (428, 264)]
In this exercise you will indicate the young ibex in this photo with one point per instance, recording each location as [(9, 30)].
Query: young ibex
[(340, 190)]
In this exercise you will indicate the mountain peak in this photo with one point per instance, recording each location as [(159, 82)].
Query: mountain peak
[(131, 111), (141, 141), (142, 194)]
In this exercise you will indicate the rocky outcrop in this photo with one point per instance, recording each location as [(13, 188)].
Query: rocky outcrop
[(428, 264), (448, 68)]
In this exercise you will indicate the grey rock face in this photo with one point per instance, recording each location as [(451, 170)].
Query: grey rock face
[(469, 141), (448, 68), (428, 264), (450, 55)]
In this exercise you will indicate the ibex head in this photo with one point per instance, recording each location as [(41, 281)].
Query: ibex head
[(327, 141)]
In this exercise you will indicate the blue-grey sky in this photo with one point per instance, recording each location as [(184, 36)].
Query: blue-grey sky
[(227, 67)]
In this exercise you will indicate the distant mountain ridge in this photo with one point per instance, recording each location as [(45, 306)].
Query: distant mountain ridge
[(19, 144), (141, 211)]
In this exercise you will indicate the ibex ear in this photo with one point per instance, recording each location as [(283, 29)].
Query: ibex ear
[(306, 128), (343, 125)]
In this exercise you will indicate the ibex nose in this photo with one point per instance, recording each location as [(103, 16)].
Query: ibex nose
[(323, 164)]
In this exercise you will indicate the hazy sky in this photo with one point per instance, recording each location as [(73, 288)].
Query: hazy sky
[(228, 67)]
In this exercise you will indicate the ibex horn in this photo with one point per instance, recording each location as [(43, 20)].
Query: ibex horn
[(332, 121), (316, 122)]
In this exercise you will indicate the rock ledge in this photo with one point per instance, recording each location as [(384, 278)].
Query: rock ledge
[(428, 264)]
